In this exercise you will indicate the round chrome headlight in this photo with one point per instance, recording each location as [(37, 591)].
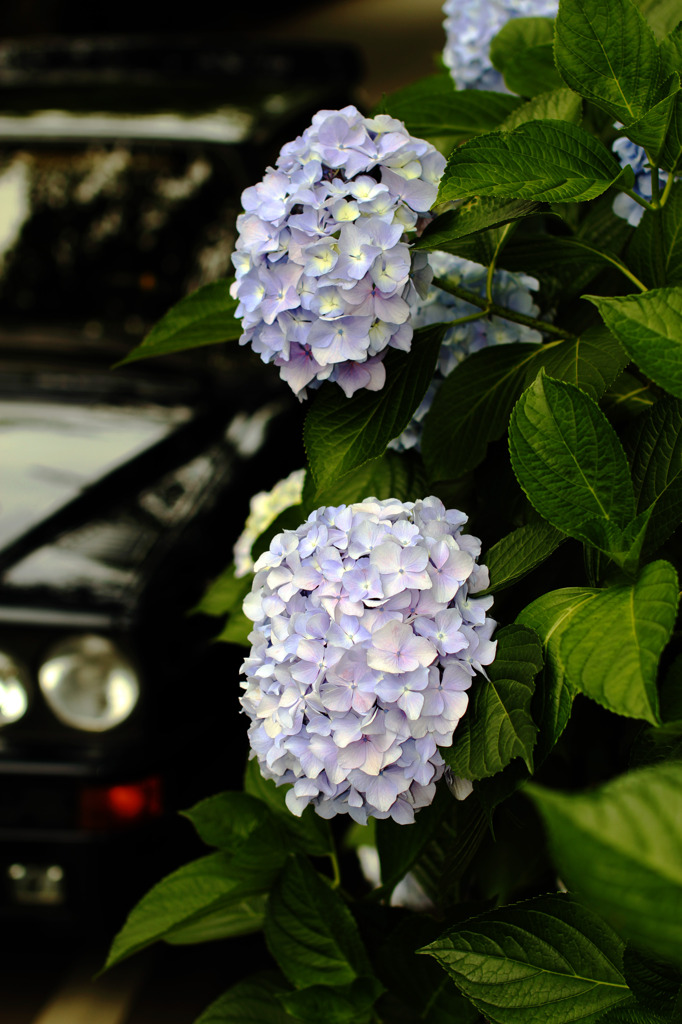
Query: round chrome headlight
[(88, 683), (13, 690)]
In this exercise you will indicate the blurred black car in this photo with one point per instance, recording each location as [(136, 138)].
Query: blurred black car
[(122, 491)]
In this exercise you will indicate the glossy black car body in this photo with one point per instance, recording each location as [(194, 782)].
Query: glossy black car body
[(122, 491)]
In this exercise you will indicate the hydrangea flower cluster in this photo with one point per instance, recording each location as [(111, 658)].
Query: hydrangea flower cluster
[(264, 507), (366, 639), (470, 27), (324, 275), (512, 290), (630, 153)]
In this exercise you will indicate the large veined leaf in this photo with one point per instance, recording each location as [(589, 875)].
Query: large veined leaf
[(342, 434), (656, 459), (205, 317), (620, 848), (568, 458), (310, 931), (547, 960), (308, 833), (498, 725), (655, 252), (655, 983), (433, 108), (517, 35), (649, 327), (473, 405), (478, 214), (550, 160), (200, 890), (607, 642), (393, 475), (252, 1001), (334, 1004), (608, 54), (557, 104), (521, 551)]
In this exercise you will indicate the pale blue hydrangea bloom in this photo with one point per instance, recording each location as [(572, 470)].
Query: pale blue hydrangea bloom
[(324, 275), (630, 153), (470, 27), (512, 290), (366, 639)]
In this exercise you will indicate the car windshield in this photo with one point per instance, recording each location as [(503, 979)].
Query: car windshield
[(50, 451)]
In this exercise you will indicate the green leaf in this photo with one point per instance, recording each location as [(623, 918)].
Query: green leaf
[(656, 460), (655, 984), (334, 1004), (473, 405), (433, 108), (628, 397), (310, 931), (517, 35), (472, 408), (236, 630), (550, 160), (547, 960), (205, 317), (649, 327), (655, 252), (478, 214), (568, 458), (400, 847), (608, 54), (252, 1001), (620, 847), (341, 434), (498, 725), (662, 15), (310, 833), (556, 105), (241, 918), (606, 643), (532, 71), (227, 819), (592, 362), (394, 475), (651, 129), (225, 594), (199, 890), (521, 551), (631, 1013)]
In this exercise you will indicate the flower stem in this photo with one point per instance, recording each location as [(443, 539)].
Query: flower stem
[(637, 198), (336, 881), (495, 310), (666, 190)]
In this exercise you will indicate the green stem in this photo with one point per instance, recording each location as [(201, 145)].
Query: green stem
[(495, 310), (336, 881), (491, 268), (666, 190), (655, 184), (637, 198)]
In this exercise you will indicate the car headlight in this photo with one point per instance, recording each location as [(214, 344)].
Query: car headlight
[(88, 683), (13, 690)]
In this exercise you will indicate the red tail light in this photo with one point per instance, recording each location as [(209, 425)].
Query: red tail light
[(108, 807)]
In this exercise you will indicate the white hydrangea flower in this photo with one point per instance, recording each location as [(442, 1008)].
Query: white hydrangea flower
[(264, 507), (366, 640)]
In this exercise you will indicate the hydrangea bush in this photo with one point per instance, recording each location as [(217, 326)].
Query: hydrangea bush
[(478, 291)]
